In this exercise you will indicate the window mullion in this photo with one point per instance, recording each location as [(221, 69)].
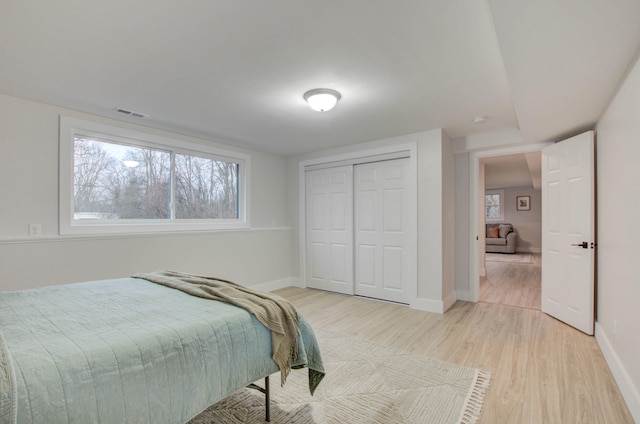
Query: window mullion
[(172, 191)]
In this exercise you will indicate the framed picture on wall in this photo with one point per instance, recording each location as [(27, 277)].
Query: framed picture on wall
[(523, 203)]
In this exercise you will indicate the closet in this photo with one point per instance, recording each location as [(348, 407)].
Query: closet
[(358, 228)]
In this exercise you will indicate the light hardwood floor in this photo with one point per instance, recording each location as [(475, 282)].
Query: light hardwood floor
[(542, 371), (512, 283)]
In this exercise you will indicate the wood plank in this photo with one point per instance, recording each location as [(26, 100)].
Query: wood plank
[(542, 370), (513, 283)]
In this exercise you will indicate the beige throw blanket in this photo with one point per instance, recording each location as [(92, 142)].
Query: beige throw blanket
[(276, 313)]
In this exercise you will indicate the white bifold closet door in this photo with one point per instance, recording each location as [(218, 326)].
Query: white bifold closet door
[(356, 229), (380, 236)]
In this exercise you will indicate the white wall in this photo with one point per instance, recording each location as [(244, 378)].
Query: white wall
[(29, 187), (528, 224), (462, 230), (435, 167), (431, 272), (448, 223), (618, 200)]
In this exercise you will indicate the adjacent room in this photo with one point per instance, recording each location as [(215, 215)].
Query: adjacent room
[(436, 199), (511, 274)]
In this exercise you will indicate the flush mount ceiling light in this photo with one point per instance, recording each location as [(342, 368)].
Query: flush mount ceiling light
[(322, 99)]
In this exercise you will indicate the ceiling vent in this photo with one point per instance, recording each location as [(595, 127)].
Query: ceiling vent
[(130, 112)]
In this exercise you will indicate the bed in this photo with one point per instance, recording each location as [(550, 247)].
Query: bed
[(129, 350)]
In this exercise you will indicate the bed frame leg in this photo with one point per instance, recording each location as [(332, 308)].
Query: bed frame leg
[(267, 400), (267, 397)]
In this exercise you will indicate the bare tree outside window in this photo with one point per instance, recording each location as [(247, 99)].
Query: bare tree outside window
[(91, 164), (114, 182), (492, 206), (205, 188)]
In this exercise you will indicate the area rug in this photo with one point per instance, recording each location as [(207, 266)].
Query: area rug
[(365, 383), (516, 258)]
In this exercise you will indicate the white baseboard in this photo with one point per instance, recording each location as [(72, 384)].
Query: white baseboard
[(278, 284), (449, 300), (465, 295), (428, 305), (422, 304), (620, 374)]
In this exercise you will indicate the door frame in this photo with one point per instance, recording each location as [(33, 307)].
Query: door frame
[(476, 208), (365, 156)]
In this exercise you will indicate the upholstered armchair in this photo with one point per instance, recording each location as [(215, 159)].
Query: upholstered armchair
[(500, 238)]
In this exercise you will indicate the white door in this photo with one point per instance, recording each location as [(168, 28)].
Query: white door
[(568, 231), (329, 229), (381, 236)]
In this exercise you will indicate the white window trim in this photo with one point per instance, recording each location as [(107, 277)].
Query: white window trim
[(70, 127), (502, 206)]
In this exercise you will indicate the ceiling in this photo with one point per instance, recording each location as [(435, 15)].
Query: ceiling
[(235, 71), (517, 170)]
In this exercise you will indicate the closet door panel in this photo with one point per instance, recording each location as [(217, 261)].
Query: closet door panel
[(329, 229), (381, 215)]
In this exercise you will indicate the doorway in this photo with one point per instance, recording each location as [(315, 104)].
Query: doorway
[(513, 199), (508, 278)]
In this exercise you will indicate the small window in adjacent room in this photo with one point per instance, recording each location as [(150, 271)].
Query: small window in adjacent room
[(494, 205), (113, 180)]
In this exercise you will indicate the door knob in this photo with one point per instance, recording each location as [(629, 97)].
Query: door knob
[(584, 245)]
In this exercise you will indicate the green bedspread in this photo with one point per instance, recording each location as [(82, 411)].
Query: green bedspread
[(128, 350), (274, 312)]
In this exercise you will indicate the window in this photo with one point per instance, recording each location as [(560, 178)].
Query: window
[(206, 188), (115, 180), (494, 205)]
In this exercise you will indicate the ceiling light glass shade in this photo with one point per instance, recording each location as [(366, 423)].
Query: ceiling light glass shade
[(322, 99), (480, 119)]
